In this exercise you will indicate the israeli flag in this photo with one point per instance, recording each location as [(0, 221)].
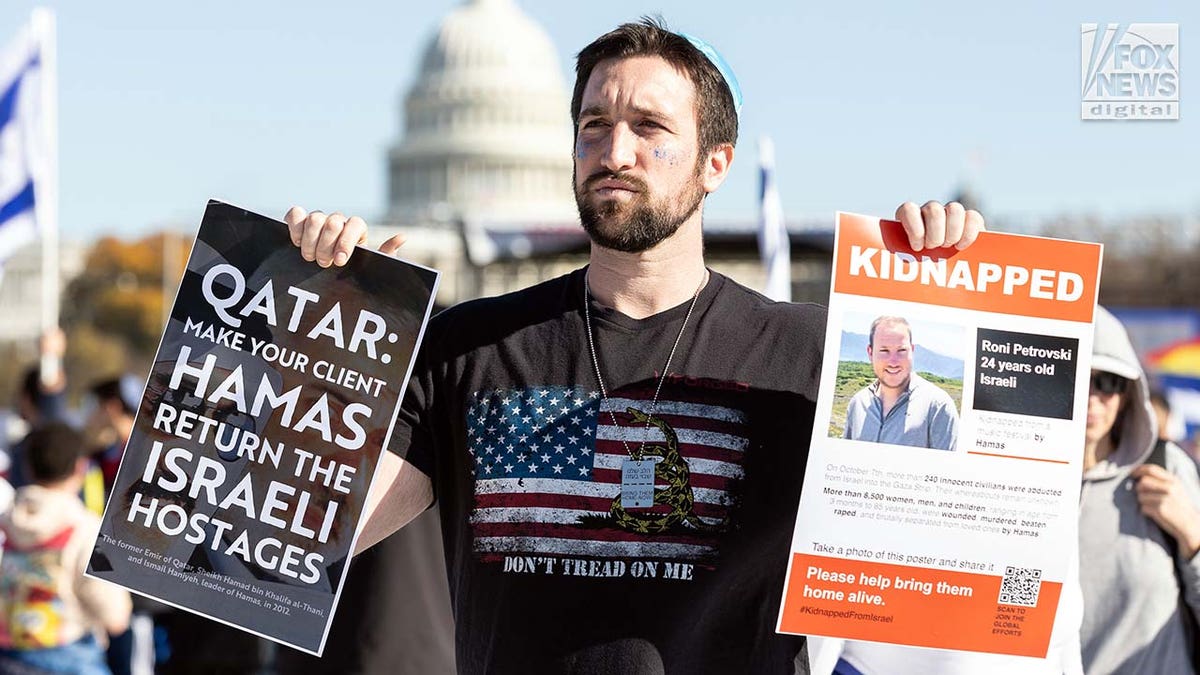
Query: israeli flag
[(773, 245), (26, 138)]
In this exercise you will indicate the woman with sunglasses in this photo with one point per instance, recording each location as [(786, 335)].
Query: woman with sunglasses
[(1139, 525)]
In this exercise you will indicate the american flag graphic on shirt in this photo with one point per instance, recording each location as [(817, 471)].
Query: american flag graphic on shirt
[(547, 462)]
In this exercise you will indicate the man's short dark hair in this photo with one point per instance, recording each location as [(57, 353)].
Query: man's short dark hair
[(107, 391), (51, 451), (716, 117)]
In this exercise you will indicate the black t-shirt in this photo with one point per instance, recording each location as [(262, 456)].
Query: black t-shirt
[(552, 567)]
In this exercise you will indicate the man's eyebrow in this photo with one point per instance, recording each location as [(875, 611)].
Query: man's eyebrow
[(649, 113), (593, 111), (600, 110)]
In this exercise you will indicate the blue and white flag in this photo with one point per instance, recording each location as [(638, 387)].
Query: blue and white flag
[(773, 245), (26, 137)]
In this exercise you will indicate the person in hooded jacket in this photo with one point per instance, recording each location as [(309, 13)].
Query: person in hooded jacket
[(50, 614), (1139, 524)]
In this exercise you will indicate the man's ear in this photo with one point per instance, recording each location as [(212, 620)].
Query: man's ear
[(716, 166), (869, 353)]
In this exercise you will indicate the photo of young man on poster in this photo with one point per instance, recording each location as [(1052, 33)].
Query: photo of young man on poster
[(900, 407)]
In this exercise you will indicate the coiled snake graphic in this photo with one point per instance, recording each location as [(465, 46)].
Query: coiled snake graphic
[(673, 470)]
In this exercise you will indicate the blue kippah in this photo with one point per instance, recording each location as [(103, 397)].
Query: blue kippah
[(735, 92)]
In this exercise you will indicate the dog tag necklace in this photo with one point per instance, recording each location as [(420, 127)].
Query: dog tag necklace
[(637, 473)]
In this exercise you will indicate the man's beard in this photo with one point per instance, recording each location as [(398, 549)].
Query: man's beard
[(644, 224)]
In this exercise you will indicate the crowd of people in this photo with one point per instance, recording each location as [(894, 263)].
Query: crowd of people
[(647, 324), (59, 463), (53, 618)]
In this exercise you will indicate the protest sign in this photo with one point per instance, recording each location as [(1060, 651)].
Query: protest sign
[(940, 496), (274, 391)]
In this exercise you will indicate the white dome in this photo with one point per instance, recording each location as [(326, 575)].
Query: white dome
[(487, 129)]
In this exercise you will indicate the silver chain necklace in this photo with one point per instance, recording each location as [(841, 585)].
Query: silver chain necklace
[(587, 315)]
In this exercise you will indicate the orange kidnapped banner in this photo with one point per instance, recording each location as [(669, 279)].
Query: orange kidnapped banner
[(916, 606), (1037, 277)]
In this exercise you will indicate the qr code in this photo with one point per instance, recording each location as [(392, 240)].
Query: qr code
[(1020, 586)]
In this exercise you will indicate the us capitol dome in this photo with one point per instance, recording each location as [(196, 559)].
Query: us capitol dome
[(487, 130), (485, 154)]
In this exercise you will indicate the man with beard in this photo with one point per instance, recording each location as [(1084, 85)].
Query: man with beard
[(618, 453)]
